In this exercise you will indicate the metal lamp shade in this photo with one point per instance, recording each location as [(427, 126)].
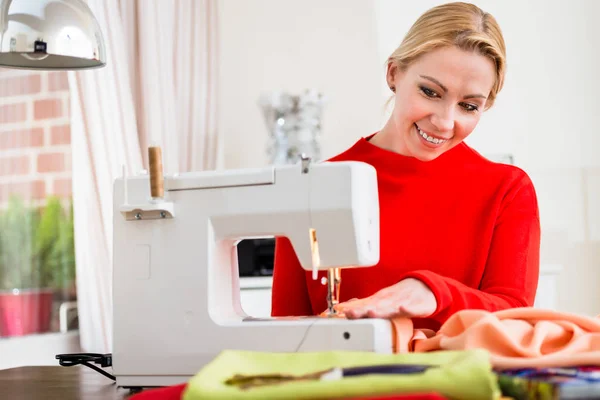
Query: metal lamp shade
[(50, 35)]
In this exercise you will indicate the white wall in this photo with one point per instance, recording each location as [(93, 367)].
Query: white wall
[(546, 115), (550, 83), (292, 45)]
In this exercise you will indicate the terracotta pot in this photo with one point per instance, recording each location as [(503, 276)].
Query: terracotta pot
[(25, 311)]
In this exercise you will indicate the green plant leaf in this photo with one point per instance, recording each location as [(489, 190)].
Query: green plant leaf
[(36, 245)]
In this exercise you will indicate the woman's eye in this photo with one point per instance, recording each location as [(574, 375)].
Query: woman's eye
[(470, 107), (428, 92)]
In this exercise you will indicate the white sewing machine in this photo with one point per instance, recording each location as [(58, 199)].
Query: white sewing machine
[(176, 291)]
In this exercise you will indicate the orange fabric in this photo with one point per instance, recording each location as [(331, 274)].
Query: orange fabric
[(405, 335), (521, 337), (515, 338)]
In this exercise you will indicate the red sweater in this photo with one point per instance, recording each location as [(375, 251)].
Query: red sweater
[(465, 226)]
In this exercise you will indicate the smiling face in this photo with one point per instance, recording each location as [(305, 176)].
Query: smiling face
[(439, 101)]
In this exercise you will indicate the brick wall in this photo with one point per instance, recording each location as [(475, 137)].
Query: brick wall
[(35, 136)]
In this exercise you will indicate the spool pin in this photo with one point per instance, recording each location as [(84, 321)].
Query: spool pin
[(156, 173)]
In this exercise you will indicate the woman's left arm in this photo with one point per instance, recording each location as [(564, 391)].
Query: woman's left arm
[(510, 278)]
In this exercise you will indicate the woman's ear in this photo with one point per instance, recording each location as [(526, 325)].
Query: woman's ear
[(390, 76)]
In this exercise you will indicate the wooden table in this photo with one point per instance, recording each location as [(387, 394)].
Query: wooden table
[(61, 383), (56, 382)]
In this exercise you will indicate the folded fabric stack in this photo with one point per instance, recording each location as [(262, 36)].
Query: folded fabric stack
[(522, 353), (256, 375), (175, 393)]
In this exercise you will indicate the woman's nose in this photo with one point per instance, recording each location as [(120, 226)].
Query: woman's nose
[(443, 119)]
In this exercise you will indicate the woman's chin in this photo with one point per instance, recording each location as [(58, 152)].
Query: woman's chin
[(426, 154)]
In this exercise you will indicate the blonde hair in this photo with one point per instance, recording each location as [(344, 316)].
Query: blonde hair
[(458, 24)]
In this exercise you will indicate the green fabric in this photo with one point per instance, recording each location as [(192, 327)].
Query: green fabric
[(461, 375)]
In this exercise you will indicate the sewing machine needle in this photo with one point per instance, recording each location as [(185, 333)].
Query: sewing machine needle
[(333, 274), (333, 289)]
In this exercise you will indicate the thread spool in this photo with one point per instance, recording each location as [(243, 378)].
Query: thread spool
[(156, 172)]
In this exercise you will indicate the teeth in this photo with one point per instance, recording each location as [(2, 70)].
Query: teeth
[(430, 139)]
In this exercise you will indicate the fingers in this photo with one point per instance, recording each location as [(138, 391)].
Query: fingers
[(352, 303), (340, 308), (405, 299), (380, 310), (372, 311), (348, 302)]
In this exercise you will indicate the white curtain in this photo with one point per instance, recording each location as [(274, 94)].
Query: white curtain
[(159, 87), (178, 110)]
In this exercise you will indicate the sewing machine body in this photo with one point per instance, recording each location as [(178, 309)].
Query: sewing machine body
[(176, 292)]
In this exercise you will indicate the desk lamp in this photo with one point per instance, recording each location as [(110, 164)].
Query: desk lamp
[(50, 35)]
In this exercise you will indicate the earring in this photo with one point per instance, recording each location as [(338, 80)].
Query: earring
[(393, 89)]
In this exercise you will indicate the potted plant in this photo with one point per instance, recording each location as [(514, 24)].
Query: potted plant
[(34, 262), (61, 257)]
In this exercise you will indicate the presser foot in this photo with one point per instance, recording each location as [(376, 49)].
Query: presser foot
[(331, 303), (333, 290), (331, 312)]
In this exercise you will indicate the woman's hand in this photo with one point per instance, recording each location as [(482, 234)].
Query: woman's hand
[(409, 298)]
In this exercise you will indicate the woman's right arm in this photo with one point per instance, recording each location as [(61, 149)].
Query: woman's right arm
[(290, 294)]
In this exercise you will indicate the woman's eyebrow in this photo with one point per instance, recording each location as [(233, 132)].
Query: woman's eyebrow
[(429, 78), (474, 96), (445, 89)]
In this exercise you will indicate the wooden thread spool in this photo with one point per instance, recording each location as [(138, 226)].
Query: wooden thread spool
[(156, 172)]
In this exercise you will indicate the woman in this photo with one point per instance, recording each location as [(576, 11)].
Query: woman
[(457, 230)]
